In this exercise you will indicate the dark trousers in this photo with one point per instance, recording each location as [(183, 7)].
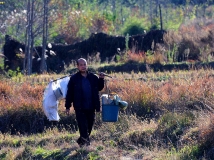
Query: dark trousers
[(85, 120)]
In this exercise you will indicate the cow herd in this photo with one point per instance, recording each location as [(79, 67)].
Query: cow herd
[(60, 55)]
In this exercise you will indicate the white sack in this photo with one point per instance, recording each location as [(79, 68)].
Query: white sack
[(54, 91), (63, 85), (57, 89)]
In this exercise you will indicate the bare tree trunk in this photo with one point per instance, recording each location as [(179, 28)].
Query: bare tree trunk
[(156, 8), (25, 52), (46, 17), (166, 14), (32, 30), (150, 12), (114, 9), (30, 36), (27, 38), (31, 40), (43, 66), (121, 13), (161, 22)]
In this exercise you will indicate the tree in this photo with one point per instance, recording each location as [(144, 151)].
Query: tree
[(161, 22), (43, 66), (33, 29), (29, 38)]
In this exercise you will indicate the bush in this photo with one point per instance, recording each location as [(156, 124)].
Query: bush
[(134, 26), (172, 125)]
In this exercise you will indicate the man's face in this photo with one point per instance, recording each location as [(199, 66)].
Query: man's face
[(82, 66)]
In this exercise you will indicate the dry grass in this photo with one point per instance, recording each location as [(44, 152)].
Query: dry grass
[(191, 42), (170, 116)]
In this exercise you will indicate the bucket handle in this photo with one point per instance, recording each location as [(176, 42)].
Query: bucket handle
[(107, 89)]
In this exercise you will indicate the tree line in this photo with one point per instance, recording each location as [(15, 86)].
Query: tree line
[(41, 21)]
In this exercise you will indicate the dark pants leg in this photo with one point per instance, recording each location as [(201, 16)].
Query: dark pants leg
[(85, 120)]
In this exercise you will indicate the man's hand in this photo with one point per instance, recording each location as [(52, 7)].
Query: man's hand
[(101, 75), (67, 112)]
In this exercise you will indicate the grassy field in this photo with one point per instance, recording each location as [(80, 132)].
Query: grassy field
[(170, 116)]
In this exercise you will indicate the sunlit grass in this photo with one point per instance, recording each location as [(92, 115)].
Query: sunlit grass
[(168, 117)]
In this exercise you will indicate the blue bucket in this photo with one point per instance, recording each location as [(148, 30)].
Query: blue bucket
[(110, 113)]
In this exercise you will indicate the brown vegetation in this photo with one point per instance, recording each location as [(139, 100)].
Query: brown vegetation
[(166, 110)]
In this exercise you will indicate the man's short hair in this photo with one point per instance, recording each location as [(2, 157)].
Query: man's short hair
[(80, 60)]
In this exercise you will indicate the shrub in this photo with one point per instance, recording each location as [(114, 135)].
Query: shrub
[(134, 26), (171, 126)]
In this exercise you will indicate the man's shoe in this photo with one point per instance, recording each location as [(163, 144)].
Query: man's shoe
[(88, 143), (83, 142), (79, 141)]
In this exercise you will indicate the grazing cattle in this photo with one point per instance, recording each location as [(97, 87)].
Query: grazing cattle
[(59, 55)]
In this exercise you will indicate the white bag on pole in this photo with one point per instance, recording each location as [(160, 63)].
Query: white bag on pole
[(54, 91)]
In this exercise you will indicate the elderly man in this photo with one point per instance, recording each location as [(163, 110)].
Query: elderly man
[(83, 92)]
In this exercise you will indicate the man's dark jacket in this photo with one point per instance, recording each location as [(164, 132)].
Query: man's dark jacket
[(75, 92)]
